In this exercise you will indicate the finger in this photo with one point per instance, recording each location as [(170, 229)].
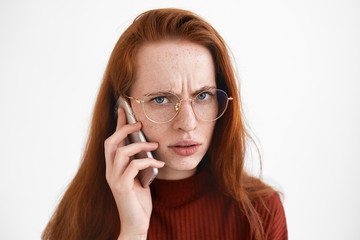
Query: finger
[(121, 119), (112, 143), (137, 165), (122, 156), (118, 138)]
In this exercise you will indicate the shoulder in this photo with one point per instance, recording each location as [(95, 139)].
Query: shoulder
[(272, 213), (270, 204)]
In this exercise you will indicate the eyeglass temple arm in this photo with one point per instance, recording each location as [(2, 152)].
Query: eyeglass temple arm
[(132, 98)]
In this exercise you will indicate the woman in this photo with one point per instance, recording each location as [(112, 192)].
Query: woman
[(168, 57)]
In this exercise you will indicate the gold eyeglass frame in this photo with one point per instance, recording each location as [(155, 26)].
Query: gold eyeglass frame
[(178, 106)]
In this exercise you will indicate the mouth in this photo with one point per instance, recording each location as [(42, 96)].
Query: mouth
[(185, 148)]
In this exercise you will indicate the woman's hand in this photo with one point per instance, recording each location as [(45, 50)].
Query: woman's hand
[(132, 200)]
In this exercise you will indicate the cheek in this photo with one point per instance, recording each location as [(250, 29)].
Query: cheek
[(208, 130), (207, 133), (152, 132)]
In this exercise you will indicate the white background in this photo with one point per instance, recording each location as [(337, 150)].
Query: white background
[(298, 63)]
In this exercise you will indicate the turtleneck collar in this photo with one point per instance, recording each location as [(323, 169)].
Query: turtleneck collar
[(173, 193)]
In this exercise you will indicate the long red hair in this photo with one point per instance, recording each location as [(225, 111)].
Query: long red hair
[(87, 209)]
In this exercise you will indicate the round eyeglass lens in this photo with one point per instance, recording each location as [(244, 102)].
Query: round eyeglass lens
[(210, 105), (161, 107)]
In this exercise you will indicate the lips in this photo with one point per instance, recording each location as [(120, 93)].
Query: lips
[(185, 148)]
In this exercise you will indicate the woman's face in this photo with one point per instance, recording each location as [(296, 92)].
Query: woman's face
[(183, 68)]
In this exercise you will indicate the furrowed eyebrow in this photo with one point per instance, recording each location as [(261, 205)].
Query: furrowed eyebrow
[(157, 93), (205, 88)]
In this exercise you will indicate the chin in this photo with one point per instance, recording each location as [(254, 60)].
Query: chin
[(177, 167)]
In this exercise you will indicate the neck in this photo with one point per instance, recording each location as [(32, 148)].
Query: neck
[(170, 174)]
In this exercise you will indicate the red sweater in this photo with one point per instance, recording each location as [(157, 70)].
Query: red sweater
[(194, 208)]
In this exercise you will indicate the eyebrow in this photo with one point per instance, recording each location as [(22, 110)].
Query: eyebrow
[(204, 89), (167, 91)]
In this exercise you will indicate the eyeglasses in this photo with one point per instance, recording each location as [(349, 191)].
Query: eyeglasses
[(162, 107)]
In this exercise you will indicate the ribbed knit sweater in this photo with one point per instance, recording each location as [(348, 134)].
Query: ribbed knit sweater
[(194, 208)]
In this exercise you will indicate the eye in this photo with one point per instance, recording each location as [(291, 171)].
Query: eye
[(204, 96), (159, 100)]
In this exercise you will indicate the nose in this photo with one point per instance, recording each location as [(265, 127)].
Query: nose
[(185, 119)]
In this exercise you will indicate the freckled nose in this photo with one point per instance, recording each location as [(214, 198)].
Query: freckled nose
[(185, 119)]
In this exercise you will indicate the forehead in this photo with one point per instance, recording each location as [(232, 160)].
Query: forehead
[(173, 65)]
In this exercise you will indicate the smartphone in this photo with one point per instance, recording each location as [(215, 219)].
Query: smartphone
[(147, 175)]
